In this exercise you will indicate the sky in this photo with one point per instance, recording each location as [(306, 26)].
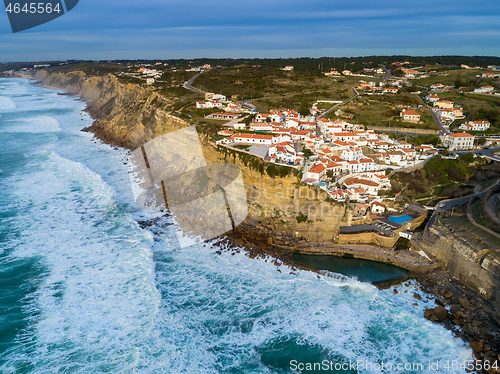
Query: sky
[(164, 29)]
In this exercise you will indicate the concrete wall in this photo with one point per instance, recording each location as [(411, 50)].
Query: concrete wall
[(368, 238), (408, 130)]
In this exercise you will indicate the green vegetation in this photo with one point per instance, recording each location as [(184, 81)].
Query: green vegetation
[(480, 216), (301, 218), (384, 110), (439, 177)]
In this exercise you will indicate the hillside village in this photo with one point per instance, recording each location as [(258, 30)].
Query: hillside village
[(356, 162), (344, 159)]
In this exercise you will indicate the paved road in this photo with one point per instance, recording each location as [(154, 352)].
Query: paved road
[(388, 71), (489, 153), (247, 104), (443, 130), (187, 85), (339, 104), (448, 204)]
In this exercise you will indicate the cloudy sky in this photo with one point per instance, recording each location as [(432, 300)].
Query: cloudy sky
[(162, 29)]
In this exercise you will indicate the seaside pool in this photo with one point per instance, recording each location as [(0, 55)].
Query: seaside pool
[(364, 270), (400, 219)]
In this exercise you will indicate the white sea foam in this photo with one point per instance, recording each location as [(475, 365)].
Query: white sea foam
[(7, 104), (98, 295), (37, 125), (116, 299)]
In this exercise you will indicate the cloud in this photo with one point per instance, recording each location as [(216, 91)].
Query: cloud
[(129, 29)]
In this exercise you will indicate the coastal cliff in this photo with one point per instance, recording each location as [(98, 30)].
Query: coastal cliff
[(129, 115), (478, 268)]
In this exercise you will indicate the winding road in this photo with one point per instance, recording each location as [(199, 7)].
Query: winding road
[(187, 85), (450, 203), (325, 113)]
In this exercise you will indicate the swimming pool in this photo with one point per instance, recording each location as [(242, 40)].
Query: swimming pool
[(400, 219)]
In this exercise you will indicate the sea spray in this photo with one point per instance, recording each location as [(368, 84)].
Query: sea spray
[(88, 290)]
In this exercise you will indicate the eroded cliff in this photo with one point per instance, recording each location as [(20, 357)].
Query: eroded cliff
[(128, 115)]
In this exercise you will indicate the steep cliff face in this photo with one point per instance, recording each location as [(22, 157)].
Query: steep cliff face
[(128, 116), (292, 209), (479, 269)]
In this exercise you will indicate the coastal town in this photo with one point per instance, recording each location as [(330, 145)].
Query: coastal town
[(392, 162), (349, 162), (363, 146)]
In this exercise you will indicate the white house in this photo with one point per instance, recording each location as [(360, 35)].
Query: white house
[(410, 116), (351, 154), (316, 172), (256, 139), (262, 117), (367, 164), (484, 90), (369, 186), (459, 141), (377, 207), (261, 127), (443, 104), (432, 98), (475, 126)]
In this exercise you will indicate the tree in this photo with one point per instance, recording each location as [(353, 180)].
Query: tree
[(480, 141), (307, 153)]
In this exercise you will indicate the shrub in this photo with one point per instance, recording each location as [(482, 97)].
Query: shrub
[(301, 218)]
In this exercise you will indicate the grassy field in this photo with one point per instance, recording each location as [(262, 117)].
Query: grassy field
[(449, 77), (439, 177), (383, 110), (274, 88), (481, 217)]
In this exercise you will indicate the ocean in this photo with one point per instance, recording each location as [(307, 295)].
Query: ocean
[(84, 289)]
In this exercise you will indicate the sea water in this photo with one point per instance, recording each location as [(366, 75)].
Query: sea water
[(84, 289)]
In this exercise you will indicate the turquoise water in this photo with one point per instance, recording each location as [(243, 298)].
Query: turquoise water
[(83, 289), (363, 270), (400, 219)]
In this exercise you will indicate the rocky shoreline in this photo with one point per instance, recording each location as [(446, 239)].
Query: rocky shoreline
[(470, 317), (462, 311)]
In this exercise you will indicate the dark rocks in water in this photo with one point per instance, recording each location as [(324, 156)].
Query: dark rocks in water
[(464, 303), (468, 329), (477, 346), (440, 301), (218, 252), (417, 296), (448, 295), (396, 291), (437, 314), (477, 323), (454, 308)]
